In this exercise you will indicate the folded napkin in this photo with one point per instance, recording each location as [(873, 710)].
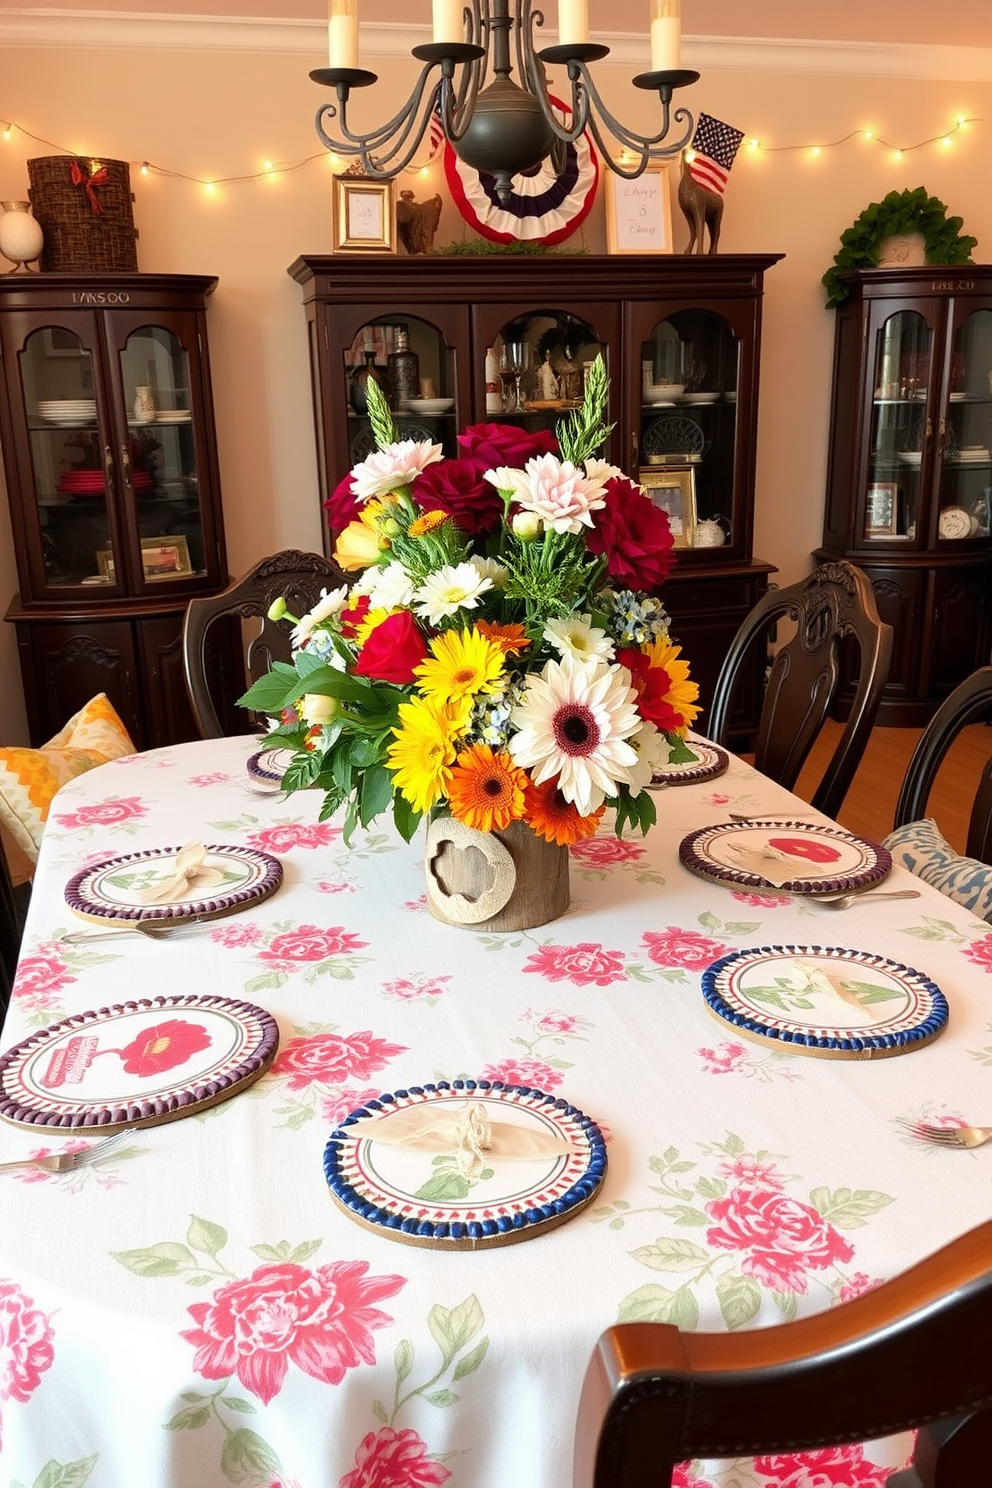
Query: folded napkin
[(190, 872), (775, 866), (468, 1133)]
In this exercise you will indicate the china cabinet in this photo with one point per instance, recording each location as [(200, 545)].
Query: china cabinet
[(106, 423), (909, 479), (681, 339)]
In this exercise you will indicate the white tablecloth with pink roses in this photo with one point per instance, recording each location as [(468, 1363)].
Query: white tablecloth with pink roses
[(196, 1312)]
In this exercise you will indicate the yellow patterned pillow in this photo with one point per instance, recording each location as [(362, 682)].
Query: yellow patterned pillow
[(29, 778)]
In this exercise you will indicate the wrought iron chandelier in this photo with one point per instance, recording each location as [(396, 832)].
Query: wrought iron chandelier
[(493, 123)]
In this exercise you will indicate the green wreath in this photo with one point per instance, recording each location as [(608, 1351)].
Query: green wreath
[(898, 213)]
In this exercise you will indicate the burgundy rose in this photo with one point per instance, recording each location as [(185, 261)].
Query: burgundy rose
[(635, 536), (783, 1237), (341, 506), (394, 1459), (675, 947), (41, 975), (307, 943), (393, 650), (321, 1321), (457, 488), (25, 1343), (330, 1059), (164, 1047), (491, 445)]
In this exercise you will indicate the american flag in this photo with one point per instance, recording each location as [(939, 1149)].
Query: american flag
[(716, 145), (435, 132)]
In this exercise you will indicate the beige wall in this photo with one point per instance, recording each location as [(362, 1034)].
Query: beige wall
[(224, 113)]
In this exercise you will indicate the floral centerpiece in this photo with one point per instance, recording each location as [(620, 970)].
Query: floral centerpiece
[(502, 655)]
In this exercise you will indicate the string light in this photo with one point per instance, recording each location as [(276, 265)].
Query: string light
[(871, 136)]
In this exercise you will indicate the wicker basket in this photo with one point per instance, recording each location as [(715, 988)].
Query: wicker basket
[(84, 208)]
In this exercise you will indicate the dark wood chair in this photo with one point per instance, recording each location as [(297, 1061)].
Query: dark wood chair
[(298, 578), (834, 605), (970, 702), (913, 1353)]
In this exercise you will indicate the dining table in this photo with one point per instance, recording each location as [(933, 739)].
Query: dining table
[(201, 1307)]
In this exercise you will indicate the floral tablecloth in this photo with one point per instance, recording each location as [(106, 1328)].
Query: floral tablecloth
[(195, 1311)]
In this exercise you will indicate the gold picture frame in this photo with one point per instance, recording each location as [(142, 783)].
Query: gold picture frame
[(882, 509), (639, 213), (105, 565), (364, 215), (164, 558), (673, 488)]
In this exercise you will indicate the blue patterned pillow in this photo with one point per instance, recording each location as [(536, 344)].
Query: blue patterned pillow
[(919, 847)]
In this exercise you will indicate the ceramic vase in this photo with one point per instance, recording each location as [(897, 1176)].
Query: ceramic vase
[(144, 405), (508, 879), (21, 237)]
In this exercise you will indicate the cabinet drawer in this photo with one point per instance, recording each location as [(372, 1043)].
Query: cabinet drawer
[(709, 595)]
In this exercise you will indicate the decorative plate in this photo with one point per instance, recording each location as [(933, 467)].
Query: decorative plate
[(674, 434), (136, 1064), (795, 856), (708, 761), (112, 890), (820, 1000), (421, 1197), (268, 766)]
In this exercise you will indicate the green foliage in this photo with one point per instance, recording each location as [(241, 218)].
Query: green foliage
[(479, 248), (379, 415), (899, 212), (585, 430)]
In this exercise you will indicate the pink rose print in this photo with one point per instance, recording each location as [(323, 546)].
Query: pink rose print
[(104, 813), (552, 1021), (25, 1343), (675, 947), (217, 778), (728, 1060), (529, 1072), (717, 798), (785, 1238), (859, 1283), (681, 1478), (833, 1467), (410, 991), (750, 1170), (236, 935), (293, 834), (394, 1459), (335, 1108), (418, 905), (584, 965), (330, 1058), (604, 852), (330, 886), (40, 976), (307, 943), (321, 1321), (761, 901), (981, 953), (41, 1175)]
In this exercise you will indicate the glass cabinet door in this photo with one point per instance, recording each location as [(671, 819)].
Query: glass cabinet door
[(71, 461), (414, 368), (540, 361), (158, 461), (901, 426), (965, 432)]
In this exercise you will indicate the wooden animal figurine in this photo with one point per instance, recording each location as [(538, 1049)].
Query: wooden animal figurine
[(700, 208), (417, 222)]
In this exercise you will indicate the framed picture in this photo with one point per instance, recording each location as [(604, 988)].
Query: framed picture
[(165, 557), (364, 215), (673, 488), (105, 565), (639, 213), (882, 509)]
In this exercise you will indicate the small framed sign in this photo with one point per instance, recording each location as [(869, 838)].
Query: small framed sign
[(674, 490), (882, 509), (639, 213), (364, 215), (165, 557)]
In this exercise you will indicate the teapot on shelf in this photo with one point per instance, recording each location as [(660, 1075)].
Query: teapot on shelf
[(711, 533)]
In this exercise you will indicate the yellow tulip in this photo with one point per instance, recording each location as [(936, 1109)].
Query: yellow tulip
[(356, 547)]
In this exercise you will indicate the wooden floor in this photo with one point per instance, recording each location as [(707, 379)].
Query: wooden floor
[(870, 803)]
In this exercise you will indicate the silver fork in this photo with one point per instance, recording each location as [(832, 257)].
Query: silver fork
[(133, 927), (844, 901), (947, 1136), (67, 1162)]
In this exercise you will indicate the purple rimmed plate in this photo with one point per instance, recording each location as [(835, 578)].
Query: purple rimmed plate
[(267, 767), (795, 856), (137, 1063), (708, 761), (111, 891)]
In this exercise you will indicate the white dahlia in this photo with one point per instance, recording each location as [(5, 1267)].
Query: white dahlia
[(396, 465)]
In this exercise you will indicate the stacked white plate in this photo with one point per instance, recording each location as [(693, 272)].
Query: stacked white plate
[(968, 453), (699, 397), (431, 405), (173, 416), (67, 410)]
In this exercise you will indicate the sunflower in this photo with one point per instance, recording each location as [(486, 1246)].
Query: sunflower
[(424, 751), (550, 816), (681, 694), (464, 664), (487, 789), (512, 639)]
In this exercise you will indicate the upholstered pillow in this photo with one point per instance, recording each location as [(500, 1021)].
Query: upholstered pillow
[(920, 847), (29, 778)]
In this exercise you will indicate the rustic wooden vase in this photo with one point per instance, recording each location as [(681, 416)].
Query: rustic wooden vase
[(503, 880)]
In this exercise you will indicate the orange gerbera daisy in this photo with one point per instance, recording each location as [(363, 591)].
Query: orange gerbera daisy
[(548, 814), (486, 789), (426, 522), (510, 638)]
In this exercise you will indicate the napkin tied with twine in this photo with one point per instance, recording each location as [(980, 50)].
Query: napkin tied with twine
[(190, 872), (775, 866), (468, 1133)]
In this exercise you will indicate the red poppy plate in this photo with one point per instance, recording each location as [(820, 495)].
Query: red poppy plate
[(137, 1063), (707, 762), (794, 856), (840, 1004), (113, 890), (422, 1197)]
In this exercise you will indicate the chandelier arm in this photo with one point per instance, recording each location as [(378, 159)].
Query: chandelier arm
[(402, 125), (640, 144)]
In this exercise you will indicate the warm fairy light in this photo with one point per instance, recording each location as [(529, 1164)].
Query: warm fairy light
[(754, 144), (815, 150), (8, 131), (425, 170), (690, 156), (144, 167), (208, 187), (946, 140), (868, 134), (897, 154)]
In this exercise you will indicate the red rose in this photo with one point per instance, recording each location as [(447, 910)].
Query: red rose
[(351, 618), (490, 445), (393, 651), (784, 1237), (635, 536), (341, 506), (394, 1459), (457, 488), (308, 943), (329, 1058), (164, 1047)]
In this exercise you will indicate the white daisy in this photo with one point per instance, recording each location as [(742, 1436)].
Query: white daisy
[(326, 606), (490, 568), (388, 587), (574, 721), (577, 636), (653, 751), (450, 589)]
